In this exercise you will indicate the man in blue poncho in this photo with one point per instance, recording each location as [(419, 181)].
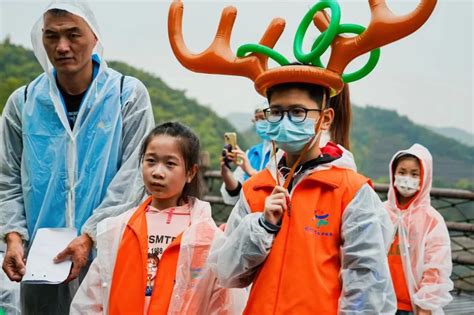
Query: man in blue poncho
[(68, 144)]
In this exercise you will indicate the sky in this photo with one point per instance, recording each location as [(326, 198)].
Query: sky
[(427, 76)]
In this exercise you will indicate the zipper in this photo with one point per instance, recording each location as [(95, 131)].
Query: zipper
[(72, 152), (281, 268), (296, 184), (71, 196)]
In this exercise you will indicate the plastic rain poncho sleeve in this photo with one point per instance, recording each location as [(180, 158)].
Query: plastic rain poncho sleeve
[(196, 289), (12, 214), (126, 189), (258, 157), (237, 255), (433, 292), (239, 176), (90, 292), (366, 234)]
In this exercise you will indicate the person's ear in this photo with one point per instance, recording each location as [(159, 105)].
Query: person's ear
[(192, 173), (327, 117)]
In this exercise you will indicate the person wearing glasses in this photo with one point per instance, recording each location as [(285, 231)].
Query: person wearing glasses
[(258, 156), (308, 225)]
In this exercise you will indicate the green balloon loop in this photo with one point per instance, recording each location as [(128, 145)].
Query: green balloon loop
[(243, 50), (326, 39), (362, 72)]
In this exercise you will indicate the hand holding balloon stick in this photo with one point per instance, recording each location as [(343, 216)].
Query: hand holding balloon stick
[(275, 205), (277, 177)]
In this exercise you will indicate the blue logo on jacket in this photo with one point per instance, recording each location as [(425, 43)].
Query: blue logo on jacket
[(321, 219)]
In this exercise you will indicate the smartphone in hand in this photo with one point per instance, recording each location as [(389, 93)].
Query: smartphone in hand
[(230, 141)]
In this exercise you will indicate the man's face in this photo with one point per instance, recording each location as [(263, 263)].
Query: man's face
[(69, 42)]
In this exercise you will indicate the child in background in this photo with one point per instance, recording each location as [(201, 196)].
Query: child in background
[(420, 256), (152, 260)]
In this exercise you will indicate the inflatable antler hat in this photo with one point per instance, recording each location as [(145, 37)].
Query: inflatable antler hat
[(251, 60)]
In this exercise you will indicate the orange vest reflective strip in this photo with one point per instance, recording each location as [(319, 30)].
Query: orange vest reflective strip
[(301, 274)]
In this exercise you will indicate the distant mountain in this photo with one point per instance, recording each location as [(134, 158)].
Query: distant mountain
[(378, 133), (455, 133), (241, 121)]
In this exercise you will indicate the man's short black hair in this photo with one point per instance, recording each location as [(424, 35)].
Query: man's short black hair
[(57, 12)]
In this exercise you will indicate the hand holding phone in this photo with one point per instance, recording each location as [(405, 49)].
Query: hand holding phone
[(226, 155), (230, 140)]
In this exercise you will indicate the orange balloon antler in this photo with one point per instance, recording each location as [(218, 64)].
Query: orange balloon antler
[(218, 58), (252, 60), (384, 28)]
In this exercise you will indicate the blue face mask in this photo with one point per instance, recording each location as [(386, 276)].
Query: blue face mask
[(261, 127), (289, 136)]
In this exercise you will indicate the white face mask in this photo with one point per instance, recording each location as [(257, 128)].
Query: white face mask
[(407, 186)]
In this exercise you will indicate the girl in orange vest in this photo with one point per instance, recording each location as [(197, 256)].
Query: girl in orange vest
[(152, 259), (319, 246), (420, 255)]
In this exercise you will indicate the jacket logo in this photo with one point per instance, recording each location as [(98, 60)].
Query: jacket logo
[(321, 219), (195, 272)]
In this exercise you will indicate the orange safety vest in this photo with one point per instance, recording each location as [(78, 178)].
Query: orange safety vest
[(301, 274), (127, 294)]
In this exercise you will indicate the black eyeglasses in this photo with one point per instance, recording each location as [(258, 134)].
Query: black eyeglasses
[(295, 114)]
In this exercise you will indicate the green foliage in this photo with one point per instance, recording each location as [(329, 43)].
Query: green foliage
[(464, 183), (18, 66)]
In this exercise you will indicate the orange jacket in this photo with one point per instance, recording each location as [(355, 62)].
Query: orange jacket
[(130, 270), (116, 281), (301, 273)]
